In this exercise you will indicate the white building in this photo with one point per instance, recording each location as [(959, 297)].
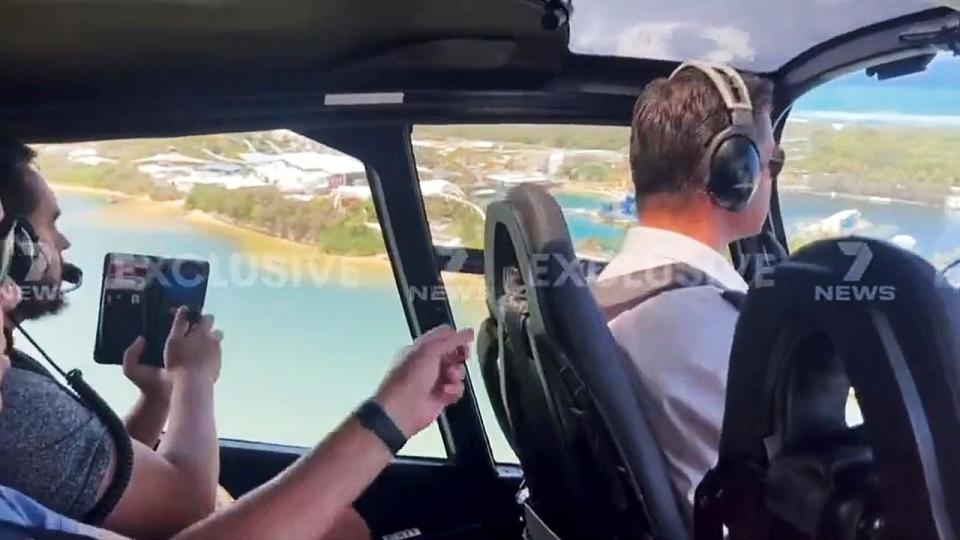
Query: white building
[(342, 170), (306, 172), (167, 166), (88, 156)]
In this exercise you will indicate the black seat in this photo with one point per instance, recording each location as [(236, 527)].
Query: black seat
[(839, 314), (560, 387)]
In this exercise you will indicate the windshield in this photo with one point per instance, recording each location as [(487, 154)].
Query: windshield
[(758, 35), (878, 159)]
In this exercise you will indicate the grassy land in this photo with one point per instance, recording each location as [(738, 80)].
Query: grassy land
[(899, 162), (890, 161), (917, 164), (549, 136)]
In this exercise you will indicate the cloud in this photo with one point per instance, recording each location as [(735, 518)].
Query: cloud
[(730, 45), (647, 40), (681, 41)]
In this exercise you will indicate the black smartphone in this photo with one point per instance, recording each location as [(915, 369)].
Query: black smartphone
[(139, 296)]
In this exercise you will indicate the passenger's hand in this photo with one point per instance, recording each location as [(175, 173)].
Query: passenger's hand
[(193, 350), (153, 381), (428, 376)]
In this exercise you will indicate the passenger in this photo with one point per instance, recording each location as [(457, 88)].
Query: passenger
[(308, 500), (56, 450), (679, 340)]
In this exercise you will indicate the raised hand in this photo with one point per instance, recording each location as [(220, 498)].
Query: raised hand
[(428, 376)]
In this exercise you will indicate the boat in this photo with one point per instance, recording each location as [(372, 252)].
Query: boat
[(846, 221), (625, 210)]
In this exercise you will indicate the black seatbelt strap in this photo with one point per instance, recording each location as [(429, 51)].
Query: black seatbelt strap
[(735, 298), (623, 293)]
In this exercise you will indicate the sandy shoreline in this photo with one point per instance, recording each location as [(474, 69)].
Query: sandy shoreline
[(787, 188), (263, 247)]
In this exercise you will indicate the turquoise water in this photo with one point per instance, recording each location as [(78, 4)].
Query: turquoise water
[(297, 358), (935, 230), (581, 224)]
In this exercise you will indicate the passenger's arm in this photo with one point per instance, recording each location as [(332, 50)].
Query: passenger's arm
[(146, 420), (303, 502), (176, 485)]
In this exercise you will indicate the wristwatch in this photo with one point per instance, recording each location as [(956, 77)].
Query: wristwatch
[(372, 416)]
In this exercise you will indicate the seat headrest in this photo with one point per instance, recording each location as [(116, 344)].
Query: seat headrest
[(527, 231), (860, 312)]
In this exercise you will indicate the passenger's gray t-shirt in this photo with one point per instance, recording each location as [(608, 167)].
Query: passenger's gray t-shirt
[(52, 448)]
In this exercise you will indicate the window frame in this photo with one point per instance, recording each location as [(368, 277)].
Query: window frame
[(387, 153)]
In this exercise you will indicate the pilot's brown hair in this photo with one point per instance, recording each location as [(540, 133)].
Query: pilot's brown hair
[(673, 123)]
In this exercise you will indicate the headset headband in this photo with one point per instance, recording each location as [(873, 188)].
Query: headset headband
[(730, 86)]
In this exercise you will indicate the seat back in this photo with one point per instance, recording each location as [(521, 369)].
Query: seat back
[(844, 313), (561, 388)]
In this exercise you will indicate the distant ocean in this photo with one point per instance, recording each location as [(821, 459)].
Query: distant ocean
[(929, 99)]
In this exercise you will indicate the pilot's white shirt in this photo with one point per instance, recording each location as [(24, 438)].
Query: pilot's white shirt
[(679, 341)]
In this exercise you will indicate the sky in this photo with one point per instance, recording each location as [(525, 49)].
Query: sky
[(928, 98)]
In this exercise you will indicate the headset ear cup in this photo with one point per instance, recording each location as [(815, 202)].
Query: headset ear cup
[(25, 251), (735, 172)]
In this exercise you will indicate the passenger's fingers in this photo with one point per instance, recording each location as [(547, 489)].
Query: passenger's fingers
[(132, 355), (454, 373), (449, 343), (181, 322), (206, 322), (451, 393), (433, 334), (459, 356)]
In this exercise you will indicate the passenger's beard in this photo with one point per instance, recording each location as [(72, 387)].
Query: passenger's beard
[(39, 300)]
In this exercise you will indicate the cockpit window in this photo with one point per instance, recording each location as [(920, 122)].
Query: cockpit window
[(586, 168), (299, 278), (877, 158), (463, 168)]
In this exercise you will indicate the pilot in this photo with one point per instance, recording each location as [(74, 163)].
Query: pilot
[(56, 450), (701, 154)]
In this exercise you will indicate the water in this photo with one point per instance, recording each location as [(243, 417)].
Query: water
[(581, 223), (936, 231)]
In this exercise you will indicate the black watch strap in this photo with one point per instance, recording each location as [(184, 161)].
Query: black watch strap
[(372, 416)]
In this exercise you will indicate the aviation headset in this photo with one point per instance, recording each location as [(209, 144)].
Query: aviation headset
[(24, 258), (732, 158)]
